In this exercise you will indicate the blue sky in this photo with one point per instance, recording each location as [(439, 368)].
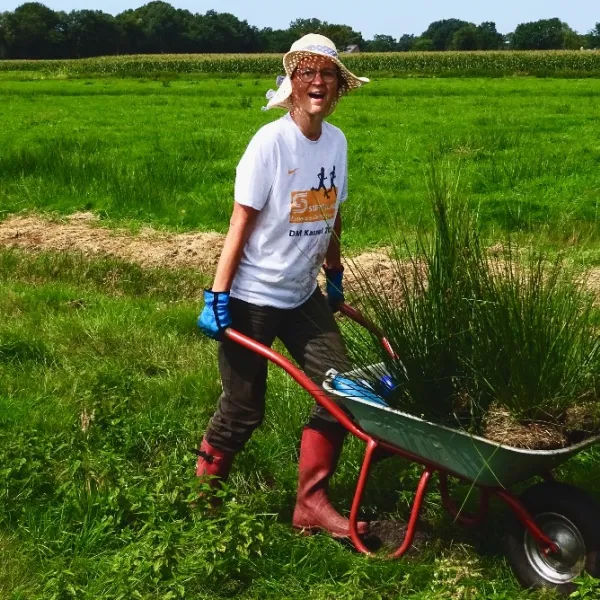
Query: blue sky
[(391, 17)]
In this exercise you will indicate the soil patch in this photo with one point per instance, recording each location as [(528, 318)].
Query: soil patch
[(501, 427), (82, 233), (389, 535)]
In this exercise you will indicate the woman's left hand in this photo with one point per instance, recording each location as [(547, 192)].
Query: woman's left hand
[(334, 287)]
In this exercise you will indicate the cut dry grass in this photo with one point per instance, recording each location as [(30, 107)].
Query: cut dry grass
[(499, 425)]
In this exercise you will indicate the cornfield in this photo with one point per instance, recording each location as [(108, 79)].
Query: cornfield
[(418, 64)]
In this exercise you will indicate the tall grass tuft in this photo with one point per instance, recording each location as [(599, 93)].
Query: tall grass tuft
[(480, 329), (84, 174), (426, 315), (536, 341)]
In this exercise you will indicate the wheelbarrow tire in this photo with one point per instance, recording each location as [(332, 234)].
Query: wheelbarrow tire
[(565, 513)]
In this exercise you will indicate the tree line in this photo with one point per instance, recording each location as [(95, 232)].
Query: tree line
[(35, 31)]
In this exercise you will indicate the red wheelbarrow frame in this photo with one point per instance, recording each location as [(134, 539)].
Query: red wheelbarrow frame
[(372, 444)]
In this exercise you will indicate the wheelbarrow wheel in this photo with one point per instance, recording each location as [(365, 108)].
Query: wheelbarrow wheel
[(569, 517)]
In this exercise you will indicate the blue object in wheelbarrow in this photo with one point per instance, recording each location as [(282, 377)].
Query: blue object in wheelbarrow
[(357, 389)]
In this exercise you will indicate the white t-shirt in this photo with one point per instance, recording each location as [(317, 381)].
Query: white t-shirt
[(297, 185)]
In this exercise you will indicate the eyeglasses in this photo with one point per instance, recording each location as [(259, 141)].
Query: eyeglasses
[(327, 75)]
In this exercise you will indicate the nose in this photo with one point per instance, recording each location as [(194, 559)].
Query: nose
[(318, 79)]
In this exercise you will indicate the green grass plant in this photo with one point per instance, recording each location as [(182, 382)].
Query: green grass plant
[(537, 344), (476, 327), (425, 315)]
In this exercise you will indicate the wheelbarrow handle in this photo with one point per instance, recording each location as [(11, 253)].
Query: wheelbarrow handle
[(359, 318), (300, 377), (306, 382)]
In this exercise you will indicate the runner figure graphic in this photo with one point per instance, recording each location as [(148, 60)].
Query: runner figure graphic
[(322, 185), (332, 179)]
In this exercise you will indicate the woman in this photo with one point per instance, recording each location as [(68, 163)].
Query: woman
[(285, 226)]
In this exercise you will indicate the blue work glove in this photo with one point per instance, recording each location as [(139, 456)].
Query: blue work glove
[(334, 287), (215, 317)]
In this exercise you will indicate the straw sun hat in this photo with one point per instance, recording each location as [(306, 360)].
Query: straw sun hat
[(310, 45)]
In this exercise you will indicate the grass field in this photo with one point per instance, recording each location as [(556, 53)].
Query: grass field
[(165, 152), (105, 385), (104, 388)]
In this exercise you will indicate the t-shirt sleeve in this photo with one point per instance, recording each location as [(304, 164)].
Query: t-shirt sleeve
[(344, 190), (255, 172)]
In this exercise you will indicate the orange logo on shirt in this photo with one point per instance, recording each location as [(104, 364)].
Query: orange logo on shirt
[(313, 205)]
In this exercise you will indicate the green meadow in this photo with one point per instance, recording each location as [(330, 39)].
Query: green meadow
[(104, 389), (105, 386), (164, 151)]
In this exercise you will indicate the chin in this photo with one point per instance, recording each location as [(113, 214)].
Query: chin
[(317, 110)]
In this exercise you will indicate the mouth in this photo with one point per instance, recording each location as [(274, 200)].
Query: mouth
[(317, 95)]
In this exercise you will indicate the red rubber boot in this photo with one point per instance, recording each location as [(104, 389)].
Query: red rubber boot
[(212, 461), (319, 454)]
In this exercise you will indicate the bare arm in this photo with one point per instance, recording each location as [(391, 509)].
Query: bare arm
[(333, 258), (241, 224)]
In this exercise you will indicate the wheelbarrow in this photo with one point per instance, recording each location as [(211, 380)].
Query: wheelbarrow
[(553, 533)]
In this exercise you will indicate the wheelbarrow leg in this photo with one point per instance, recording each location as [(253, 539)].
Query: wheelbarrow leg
[(358, 494), (360, 487), (414, 514)]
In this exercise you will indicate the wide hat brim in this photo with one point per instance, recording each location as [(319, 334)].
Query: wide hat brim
[(283, 96)]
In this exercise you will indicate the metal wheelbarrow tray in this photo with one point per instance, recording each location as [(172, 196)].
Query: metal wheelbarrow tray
[(553, 534), (456, 452)]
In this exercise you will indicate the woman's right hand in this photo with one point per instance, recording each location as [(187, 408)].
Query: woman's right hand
[(215, 318)]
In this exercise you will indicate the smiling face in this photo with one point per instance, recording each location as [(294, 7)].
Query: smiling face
[(315, 85)]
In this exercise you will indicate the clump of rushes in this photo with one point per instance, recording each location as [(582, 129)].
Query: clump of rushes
[(425, 314), (499, 341)]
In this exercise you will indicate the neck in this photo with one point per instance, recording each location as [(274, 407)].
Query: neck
[(310, 125)]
